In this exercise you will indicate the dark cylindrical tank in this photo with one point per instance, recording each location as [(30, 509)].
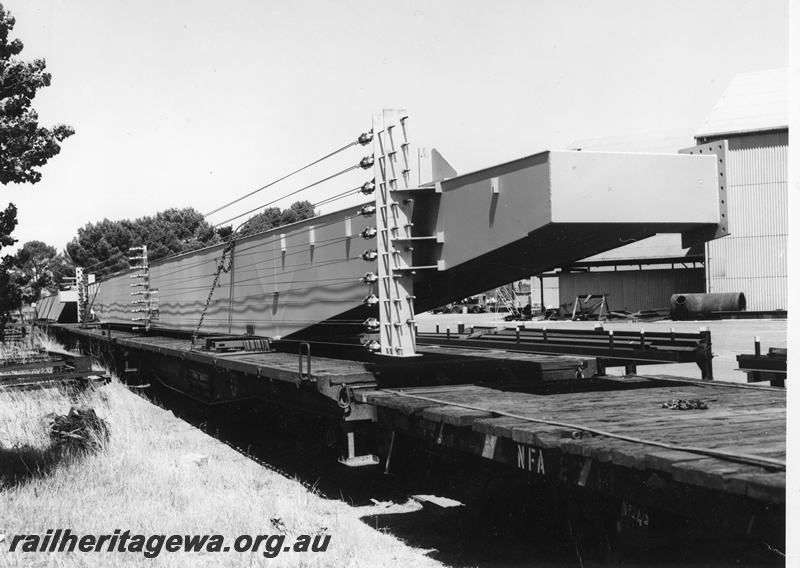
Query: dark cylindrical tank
[(701, 306)]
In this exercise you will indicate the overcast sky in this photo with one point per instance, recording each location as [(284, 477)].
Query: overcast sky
[(193, 103)]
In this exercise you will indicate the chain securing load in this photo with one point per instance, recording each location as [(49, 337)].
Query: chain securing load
[(220, 269), (685, 404)]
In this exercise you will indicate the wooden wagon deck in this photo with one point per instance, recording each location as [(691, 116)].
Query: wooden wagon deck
[(721, 470), (737, 445)]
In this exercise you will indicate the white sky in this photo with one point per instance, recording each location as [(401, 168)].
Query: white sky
[(194, 103)]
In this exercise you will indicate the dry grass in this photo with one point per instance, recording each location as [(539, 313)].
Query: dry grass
[(139, 482)]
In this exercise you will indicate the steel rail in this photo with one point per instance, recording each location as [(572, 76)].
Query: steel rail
[(619, 351)]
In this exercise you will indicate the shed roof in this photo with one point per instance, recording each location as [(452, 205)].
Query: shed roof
[(658, 142), (752, 102)]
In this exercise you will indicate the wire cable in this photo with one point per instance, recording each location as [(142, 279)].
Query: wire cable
[(344, 171), (311, 207), (351, 144), (254, 246), (172, 292), (156, 237), (229, 246), (160, 278)]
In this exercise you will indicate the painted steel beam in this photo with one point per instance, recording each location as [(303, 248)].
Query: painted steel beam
[(552, 209), (468, 234)]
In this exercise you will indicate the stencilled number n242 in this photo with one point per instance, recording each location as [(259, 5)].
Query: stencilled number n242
[(636, 514)]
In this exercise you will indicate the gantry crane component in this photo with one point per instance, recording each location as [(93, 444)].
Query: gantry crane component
[(422, 243), (531, 215)]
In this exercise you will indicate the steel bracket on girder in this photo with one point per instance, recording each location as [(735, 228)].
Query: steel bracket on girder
[(705, 234), (393, 174)]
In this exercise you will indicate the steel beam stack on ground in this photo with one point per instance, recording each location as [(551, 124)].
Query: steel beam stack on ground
[(48, 369), (611, 348)]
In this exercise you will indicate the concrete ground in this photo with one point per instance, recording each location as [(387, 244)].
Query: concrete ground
[(728, 337)]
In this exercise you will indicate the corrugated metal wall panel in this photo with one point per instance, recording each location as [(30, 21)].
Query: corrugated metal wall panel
[(760, 293), (758, 209), (632, 290), (46, 307), (758, 140), (753, 259), (550, 293), (762, 257)]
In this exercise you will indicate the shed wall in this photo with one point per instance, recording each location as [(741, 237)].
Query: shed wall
[(632, 290), (753, 258)]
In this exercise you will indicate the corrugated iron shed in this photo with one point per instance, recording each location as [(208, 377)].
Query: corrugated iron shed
[(631, 290), (753, 102), (753, 117)]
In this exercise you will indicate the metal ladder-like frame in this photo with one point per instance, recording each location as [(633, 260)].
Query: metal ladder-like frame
[(147, 304), (82, 284), (393, 219)]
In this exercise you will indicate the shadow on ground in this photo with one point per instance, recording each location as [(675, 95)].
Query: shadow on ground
[(21, 464)]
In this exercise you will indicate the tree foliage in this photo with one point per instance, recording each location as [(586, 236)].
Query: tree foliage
[(102, 248), (10, 293), (273, 217), (24, 144), (8, 222), (38, 266)]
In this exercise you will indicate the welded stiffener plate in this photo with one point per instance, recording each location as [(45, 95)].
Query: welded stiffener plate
[(704, 234), (393, 218)]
